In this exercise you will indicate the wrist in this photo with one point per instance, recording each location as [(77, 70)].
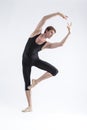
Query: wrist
[(60, 14), (69, 33)]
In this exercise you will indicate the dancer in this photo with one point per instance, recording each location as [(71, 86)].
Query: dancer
[(37, 42)]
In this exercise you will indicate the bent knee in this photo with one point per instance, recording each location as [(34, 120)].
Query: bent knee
[(54, 73)]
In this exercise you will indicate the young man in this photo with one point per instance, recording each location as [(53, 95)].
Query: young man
[(36, 43)]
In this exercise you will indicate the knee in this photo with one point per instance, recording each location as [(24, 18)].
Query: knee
[(26, 87), (55, 72), (27, 84)]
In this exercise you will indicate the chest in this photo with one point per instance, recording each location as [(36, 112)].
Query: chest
[(39, 40)]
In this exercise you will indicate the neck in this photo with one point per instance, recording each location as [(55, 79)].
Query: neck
[(44, 35)]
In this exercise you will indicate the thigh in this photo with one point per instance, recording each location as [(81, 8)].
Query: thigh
[(26, 75), (26, 71), (46, 66)]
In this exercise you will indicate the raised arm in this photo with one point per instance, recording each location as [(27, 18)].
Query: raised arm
[(38, 28), (58, 44)]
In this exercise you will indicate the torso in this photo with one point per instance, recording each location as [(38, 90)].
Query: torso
[(39, 40), (34, 45)]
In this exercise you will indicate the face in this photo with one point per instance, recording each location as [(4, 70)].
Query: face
[(50, 33)]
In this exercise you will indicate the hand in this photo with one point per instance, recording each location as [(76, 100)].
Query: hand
[(69, 26), (63, 16)]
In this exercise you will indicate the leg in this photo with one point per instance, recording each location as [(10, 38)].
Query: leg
[(28, 96), (26, 74), (51, 71)]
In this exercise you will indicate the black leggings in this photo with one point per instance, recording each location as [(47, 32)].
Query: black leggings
[(38, 63)]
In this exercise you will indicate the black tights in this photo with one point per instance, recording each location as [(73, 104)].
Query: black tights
[(38, 63)]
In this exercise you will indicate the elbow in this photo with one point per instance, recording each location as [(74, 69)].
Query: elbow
[(45, 18), (61, 44)]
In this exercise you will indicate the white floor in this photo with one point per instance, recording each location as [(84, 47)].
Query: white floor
[(14, 119)]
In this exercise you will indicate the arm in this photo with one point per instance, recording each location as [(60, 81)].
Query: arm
[(58, 44), (38, 29)]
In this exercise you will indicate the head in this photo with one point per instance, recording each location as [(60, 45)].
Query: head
[(49, 31)]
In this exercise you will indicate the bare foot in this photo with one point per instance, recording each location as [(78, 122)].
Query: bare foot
[(34, 83), (28, 109)]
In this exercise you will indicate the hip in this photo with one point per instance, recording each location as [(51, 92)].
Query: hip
[(29, 59)]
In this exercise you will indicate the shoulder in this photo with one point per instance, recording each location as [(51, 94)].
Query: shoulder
[(35, 33)]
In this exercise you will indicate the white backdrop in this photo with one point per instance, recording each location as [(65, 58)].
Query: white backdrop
[(65, 94)]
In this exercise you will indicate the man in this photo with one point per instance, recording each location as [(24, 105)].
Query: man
[(36, 43)]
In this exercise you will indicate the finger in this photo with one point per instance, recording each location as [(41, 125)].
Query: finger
[(70, 24), (66, 17), (67, 24)]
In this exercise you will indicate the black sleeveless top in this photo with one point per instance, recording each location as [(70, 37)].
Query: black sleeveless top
[(32, 48)]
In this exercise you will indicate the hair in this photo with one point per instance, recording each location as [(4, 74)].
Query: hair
[(50, 28)]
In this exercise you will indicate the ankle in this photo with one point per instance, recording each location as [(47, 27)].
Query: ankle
[(36, 81)]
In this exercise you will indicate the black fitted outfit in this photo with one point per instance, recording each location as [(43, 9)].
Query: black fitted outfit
[(30, 58)]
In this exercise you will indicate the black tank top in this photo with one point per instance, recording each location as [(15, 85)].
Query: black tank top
[(32, 48)]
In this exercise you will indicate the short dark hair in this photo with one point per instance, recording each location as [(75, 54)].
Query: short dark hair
[(50, 28)]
